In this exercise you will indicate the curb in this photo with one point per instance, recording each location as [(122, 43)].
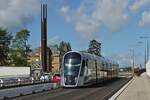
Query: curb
[(121, 90)]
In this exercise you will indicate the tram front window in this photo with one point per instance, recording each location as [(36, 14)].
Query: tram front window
[(72, 63), (71, 69)]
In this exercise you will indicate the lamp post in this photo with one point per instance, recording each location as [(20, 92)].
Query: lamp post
[(145, 54), (147, 50), (146, 47), (133, 60)]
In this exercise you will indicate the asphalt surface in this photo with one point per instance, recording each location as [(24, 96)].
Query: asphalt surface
[(95, 92)]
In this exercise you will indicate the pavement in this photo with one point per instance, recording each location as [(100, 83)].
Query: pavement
[(138, 89)]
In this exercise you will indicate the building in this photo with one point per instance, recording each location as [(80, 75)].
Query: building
[(35, 56), (55, 58)]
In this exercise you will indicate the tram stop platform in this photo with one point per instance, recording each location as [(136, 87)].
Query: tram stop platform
[(137, 89)]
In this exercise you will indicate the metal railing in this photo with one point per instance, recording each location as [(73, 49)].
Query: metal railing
[(13, 82)]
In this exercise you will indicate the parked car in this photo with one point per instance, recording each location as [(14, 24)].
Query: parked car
[(55, 78)]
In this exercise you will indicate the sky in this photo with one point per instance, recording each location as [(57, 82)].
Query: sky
[(117, 24)]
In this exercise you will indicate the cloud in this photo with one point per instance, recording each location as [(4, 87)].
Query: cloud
[(64, 9), (111, 13), (91, 15), (139, 4), (86, 25), (64, 12), (126, 59), (145, 15), (145, 20), (123, 59), (16, 14)]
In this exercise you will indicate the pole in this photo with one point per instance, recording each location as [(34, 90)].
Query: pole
[(145, 58), (44, 37), (133, 61), (147, 51)]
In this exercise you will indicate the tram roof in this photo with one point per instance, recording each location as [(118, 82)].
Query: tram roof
[(91, 56)]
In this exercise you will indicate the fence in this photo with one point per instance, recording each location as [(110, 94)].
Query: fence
[(14, 82)]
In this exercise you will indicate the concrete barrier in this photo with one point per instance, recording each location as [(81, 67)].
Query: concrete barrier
[(24, 90)]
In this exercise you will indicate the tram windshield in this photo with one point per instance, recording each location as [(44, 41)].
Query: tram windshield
[(72, 63)]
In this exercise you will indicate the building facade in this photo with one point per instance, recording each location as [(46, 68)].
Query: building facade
[(35, 56)]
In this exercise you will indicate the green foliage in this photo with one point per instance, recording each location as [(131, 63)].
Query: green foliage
[(95, 48), (16, 59), (20, 48), (21, 38), (63, 48), (5, 40)]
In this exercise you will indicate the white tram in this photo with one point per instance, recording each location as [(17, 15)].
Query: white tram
[(80, 69)]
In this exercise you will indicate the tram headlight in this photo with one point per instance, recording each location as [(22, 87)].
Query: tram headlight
[(75, 79), (65, 79)]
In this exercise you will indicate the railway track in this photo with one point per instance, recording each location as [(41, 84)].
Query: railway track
[(95, 92)]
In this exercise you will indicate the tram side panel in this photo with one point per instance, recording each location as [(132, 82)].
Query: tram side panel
[(90, 75), (100, 72)]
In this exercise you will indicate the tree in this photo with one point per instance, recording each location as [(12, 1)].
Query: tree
[(20, 48), (63, 48), (5, 40), (95, 48)]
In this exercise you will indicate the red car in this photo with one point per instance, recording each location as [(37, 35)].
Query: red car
[(55, 78)]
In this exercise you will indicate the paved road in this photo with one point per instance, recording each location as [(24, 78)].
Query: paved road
[(89, 93), (139, 89)]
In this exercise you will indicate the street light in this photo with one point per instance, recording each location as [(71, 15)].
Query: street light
[(147, 47), (133, 60), (145, 55)]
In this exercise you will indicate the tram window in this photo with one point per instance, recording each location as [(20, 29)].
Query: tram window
[(82, 68), (72, 63)]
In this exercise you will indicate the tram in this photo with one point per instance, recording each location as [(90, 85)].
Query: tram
[(83, 69)]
